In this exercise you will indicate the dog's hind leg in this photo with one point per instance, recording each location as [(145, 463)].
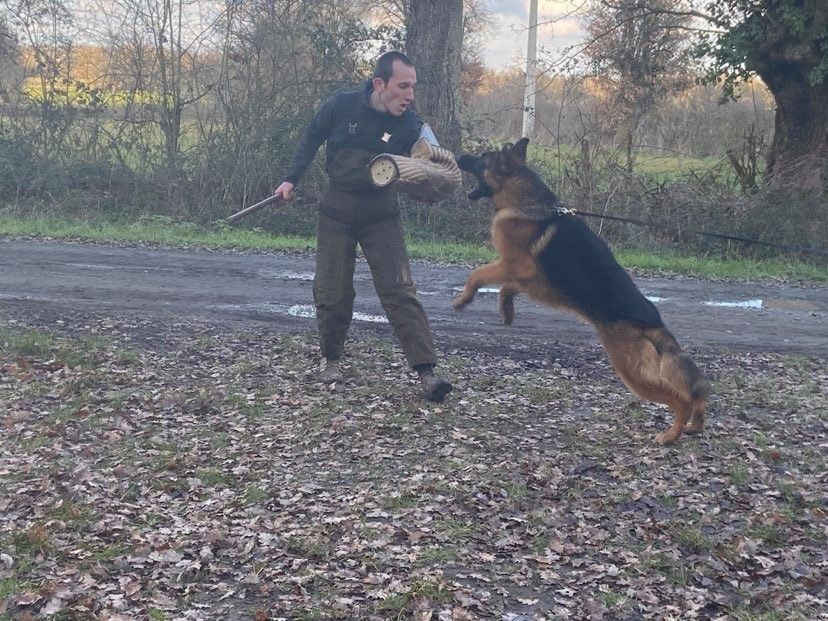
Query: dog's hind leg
[(696, 423), (651, 364), (681, 414), (687, 393)]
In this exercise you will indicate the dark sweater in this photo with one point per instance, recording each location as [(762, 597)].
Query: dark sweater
[(354, 134)]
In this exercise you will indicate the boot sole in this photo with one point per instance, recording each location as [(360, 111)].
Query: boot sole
[(439, 393)]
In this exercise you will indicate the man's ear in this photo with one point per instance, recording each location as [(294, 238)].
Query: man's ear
[(377, 83), (519, 150)]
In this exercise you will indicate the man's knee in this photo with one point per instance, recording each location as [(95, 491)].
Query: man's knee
[(399, 294)]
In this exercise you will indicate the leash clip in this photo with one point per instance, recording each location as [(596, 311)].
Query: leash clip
[(566, 211)]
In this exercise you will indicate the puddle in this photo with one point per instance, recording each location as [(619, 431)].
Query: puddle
[(297, 310), (481, 290), (794, 305), (305, 310), (744, 304), (90, 266), (305, 276)]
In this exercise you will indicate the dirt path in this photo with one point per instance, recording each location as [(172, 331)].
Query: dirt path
[(238, 289)]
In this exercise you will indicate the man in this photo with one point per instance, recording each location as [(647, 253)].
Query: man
[(358, 125)]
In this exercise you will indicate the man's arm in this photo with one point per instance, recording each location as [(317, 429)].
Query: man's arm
[(318, 131)]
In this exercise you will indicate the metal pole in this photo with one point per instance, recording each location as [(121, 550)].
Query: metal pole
[(531, 59)]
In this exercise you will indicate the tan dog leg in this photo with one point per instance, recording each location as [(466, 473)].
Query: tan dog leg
[(681, 412), (489, 274)]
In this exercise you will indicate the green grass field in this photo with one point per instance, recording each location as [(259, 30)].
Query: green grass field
[(164, 231)]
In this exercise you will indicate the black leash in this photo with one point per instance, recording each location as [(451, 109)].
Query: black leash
[(744, 240)]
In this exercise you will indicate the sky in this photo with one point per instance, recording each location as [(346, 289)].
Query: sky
[(507, 39)]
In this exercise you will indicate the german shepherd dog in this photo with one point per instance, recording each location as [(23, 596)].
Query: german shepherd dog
[(555, 258)]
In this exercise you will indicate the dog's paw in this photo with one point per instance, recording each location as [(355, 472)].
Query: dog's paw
[(461, 301), (665, 439), (693, 429)]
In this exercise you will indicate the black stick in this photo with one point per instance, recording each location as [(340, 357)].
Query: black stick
[(247, 211)]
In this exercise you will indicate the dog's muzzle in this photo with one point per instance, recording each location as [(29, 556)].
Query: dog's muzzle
[(472, 165)]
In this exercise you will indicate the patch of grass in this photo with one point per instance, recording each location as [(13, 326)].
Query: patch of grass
[(432, 590), (75, 515), (13, 585), (438, 555), (33, 443), (429, 590), (398, 501), (546, 395), (743, 268), (692, 538), (85, 353), (311, 548), (33, 540), (219, 440), (769, 534), (743, 613), (157, 615), (673, 570), (213, 477), (612, 599), (109, 552), (163, 230), (395, 603), (255, 494), (31, 343), (760, 439), (739, 474), (128, 358), (515, 491), (245, 406)]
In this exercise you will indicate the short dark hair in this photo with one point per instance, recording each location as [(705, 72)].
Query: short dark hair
[(385, 64)]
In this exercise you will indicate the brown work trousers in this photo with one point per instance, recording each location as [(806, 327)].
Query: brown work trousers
[(373, 221)]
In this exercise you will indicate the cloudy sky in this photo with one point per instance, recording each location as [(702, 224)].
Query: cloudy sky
[(506, 46)]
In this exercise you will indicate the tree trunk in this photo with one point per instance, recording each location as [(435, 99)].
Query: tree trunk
[(434, 37), (799, 150)]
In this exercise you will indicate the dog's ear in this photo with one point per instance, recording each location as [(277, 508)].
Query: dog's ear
[(519, 151)]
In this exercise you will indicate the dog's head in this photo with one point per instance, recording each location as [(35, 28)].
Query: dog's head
[(491, 169)]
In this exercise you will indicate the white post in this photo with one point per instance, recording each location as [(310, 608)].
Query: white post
[(531, 58)]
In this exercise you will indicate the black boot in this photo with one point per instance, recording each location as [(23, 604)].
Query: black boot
[(329, 371), (435, 387)]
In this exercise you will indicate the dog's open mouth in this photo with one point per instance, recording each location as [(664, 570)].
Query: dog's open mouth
[(474, 166)]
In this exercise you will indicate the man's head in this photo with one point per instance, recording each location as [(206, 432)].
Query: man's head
[(394, 79)]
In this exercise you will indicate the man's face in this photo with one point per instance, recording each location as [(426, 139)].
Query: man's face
[(397, 94)]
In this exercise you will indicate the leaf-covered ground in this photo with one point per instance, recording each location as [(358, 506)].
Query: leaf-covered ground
[(187, 471)]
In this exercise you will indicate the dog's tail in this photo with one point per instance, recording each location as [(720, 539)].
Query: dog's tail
[(652, 364)]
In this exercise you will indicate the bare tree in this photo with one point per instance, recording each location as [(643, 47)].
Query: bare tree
[(638, 58)]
